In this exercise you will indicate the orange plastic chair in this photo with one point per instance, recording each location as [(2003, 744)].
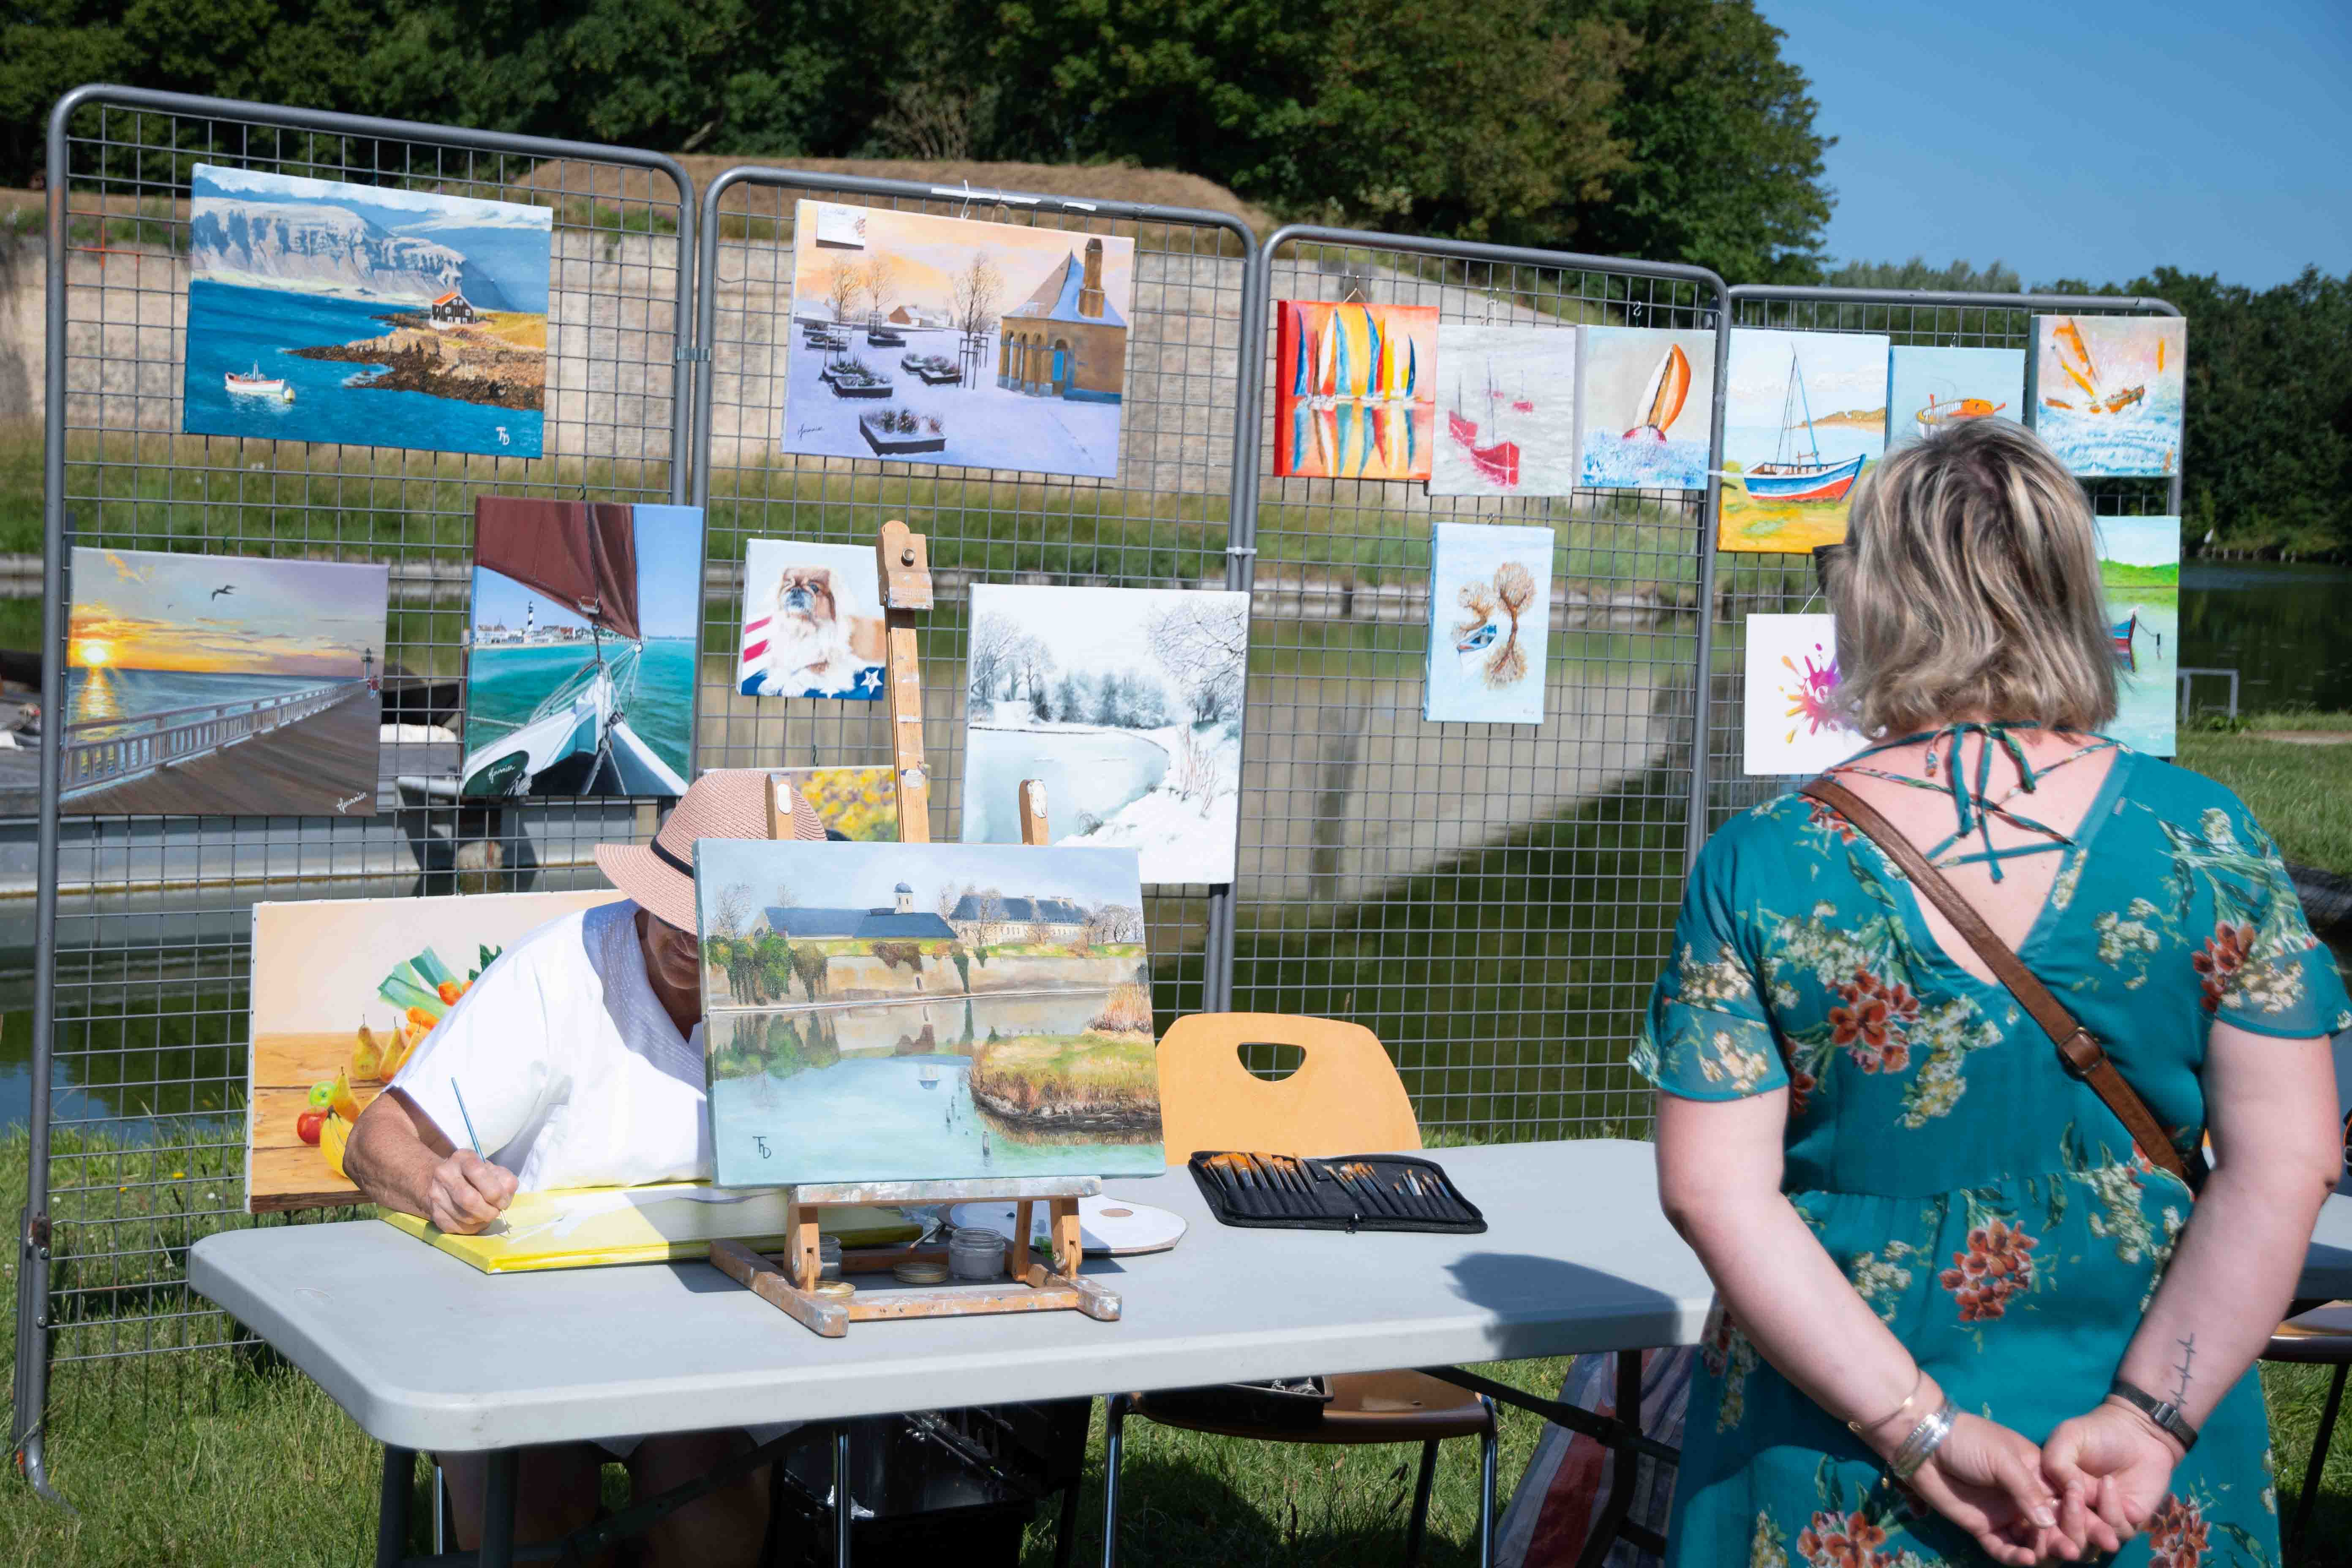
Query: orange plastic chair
[(1344, 1097)]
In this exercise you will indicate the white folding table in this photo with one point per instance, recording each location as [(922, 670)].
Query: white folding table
[(427, 1354)]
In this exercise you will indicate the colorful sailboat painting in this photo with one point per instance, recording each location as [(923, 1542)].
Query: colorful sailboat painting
[(1805, 415), (1509, 403), (2107, 392), (1645, 403), (1354, 397)]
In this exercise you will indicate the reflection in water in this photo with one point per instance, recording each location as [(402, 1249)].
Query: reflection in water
[(97, 695)]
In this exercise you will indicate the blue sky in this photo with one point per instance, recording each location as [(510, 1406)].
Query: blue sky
[(2091, 140), (864, 875), (670, 579)]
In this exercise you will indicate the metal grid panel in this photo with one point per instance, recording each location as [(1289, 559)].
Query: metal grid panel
[(143, 921), (1783, 584), (1493, 900), (1163, 522)]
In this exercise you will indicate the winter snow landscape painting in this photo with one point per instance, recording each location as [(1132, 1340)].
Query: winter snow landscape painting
[(2107, 392), (1508, 403), (942, 339), (925, 1012), (366, 315), (1127, 703)]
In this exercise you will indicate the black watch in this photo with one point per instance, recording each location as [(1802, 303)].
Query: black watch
[(2163, 1412)]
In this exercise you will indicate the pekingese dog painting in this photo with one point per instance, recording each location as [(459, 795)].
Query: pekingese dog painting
[(812, 621)]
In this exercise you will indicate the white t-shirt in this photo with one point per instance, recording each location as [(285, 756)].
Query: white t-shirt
[(572, 1071)]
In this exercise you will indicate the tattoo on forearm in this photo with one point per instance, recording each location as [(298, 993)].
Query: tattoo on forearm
[(2188, 1354)]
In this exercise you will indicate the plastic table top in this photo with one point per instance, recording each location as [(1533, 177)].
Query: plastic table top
[(426, 1353)]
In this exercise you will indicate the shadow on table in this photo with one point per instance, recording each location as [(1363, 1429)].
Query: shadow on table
[(1526, 1292), (698, 1277)]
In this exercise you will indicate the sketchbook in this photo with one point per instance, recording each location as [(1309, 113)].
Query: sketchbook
[(588, 1227)]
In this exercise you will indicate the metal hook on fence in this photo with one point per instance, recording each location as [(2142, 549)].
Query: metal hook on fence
[(967, 198)]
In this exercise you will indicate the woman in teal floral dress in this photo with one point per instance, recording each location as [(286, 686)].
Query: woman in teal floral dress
[(1901, 1197)]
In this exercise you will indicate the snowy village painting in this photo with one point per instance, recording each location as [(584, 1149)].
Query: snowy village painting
[(1509, 403), (1126, 704), (1355, 391), (925, 1012), (368, 315), (1490, 595), (942, 340), (1644, 401), (2107, 392)]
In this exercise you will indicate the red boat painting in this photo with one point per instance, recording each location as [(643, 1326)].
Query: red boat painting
[(1790, 476), (1497, 462)]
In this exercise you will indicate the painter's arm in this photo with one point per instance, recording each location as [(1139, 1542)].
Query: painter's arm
[(401, 1161)]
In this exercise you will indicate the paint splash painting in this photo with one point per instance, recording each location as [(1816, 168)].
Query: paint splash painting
[(1792, 723)]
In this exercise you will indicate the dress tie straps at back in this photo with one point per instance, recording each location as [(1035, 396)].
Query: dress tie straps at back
[(1972, 807)]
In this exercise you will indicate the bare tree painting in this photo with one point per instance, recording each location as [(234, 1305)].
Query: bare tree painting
[(1489, 600)]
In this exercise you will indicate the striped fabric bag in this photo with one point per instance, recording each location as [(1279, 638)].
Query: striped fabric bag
[(1567, 1483)]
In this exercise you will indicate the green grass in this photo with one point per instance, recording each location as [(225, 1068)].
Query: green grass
[(2123, 574), (2297, 792)]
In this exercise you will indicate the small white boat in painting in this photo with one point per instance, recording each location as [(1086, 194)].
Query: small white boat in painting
[(253, 383), (927, 1075)]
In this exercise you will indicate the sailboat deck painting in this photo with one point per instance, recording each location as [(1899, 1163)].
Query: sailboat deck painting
[(1805, 414), (2107, 392), (1354, 393), (579, 663), (1645, 403), (1933, 389), (1509, 402)]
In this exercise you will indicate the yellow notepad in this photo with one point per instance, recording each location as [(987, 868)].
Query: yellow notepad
[(586, 1227)]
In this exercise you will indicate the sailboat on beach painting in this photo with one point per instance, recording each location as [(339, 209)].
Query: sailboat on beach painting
[(1645, 403), (1805, 414), (2107, 392), (1353, 393), (925, 1012)]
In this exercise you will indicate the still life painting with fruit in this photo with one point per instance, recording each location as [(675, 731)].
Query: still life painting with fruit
[(343, 994)]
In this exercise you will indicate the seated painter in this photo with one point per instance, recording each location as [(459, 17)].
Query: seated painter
[(576, 1061)]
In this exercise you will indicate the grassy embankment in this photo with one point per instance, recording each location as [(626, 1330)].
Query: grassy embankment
[(2297, 790)]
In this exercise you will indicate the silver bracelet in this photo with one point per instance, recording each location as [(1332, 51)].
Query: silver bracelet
[(1924, 1439)]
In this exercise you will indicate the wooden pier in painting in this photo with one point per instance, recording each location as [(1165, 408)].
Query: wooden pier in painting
[(315, 764)]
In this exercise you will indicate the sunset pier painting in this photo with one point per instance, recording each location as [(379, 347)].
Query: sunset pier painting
[(222, 685)]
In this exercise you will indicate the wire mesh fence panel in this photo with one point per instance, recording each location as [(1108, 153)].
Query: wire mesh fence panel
[(1784, 582), (965, 342), (146, 1072), (1493, 899)]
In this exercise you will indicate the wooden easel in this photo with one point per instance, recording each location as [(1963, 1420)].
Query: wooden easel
[(1033, 1285)]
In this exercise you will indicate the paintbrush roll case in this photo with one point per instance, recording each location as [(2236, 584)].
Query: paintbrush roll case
[(1348, 1191)]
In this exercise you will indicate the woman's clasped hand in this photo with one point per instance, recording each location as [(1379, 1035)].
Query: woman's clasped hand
[(2092, 1487)]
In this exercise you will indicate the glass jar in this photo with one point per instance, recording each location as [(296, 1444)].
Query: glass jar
[(975, 1253)]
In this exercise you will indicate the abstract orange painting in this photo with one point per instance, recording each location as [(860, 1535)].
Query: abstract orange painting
[(1354, 393)]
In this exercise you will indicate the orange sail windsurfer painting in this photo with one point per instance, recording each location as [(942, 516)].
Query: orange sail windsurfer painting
[(2107, 392)]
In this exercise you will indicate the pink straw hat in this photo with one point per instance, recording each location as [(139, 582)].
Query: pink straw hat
[(726, 803)]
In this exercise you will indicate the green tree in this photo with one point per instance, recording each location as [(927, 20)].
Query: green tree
[(1726, 164), (1958, 277)]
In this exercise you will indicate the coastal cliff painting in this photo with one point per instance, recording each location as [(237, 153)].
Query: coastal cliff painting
[(1126, 704), (925, 1012), (222, 685), (920, 339), (1804, 416), (364, 315)]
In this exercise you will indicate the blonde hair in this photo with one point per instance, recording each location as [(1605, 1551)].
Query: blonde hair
[(1970, 589)]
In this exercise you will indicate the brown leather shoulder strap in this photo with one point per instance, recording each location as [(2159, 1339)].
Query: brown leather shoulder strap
[(2078, 1050)]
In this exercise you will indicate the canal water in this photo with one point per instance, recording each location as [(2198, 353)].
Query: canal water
[(2283, 628)]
